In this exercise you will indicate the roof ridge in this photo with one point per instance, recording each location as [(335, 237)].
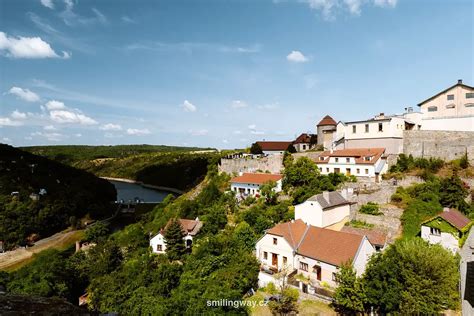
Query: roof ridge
[(291, 234), (303, 237)]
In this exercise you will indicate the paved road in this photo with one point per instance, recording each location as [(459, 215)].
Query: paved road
[(14, 257)]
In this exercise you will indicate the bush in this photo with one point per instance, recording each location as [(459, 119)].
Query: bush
[(370, 208), (396, 198)]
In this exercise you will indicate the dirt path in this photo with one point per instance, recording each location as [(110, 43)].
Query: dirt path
[(16, 258)]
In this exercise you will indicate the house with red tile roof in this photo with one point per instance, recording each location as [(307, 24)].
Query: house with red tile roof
[(447, 229), (313, 253), (305, 142), (190, 229), (249, 184), (364, 163)]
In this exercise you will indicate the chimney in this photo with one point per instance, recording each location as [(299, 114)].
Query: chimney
[(326, 195), (459, 81)]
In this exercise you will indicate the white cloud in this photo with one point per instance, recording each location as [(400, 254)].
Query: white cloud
[(49, 128), (225, 141), (296, 57), (268, 106), (189, 47), (138, 132), (255, 132), (329, 8), (71, 18), (237, 132), (54, 137), (386, 3), (27, 47), (71, 117), (55, 105), (238, 104), (188, 106), (6, 121), (17, 115), (48, 3), (353, 6), (128, 19), (6, 139), (78, 135), (252, 126), (24, 94), (111, 127), (200, 132)]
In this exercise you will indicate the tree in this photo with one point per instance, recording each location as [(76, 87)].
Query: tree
[(349, 297), (288, 297), (412, 277), (453, 192), (464, 161), (256, 149), (175, 247), (291, 149), (268, 192), (97, 232), (302, 172)]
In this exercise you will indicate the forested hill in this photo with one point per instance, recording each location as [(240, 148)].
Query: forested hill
[(39, 196)]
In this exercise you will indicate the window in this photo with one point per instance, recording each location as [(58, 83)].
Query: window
[(470, 95), (159, 247), (275, 241), (303, 266), (336, 159), (354, 129), (334, 277), (366, 128), (432, 109), (469, 105), (366, 171), (320, 169), (358, 171), (450, 106), (380, 127), (265, 255), (321, 158), (304, 147), (285, 261), (327, 170), (348, 160), (368, 158), (450, 96), (435, 231)]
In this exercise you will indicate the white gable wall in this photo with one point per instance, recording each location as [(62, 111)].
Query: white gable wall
[(446, 240), (281, 249), (366, 250), (311, 213)]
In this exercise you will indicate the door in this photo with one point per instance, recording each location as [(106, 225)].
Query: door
[(337, 170), (304, 288), (317, 270), (275, 260)]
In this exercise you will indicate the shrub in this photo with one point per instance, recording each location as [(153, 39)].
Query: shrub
[(370, 208)]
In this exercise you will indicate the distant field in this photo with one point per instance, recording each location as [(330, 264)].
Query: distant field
[(70, 153)]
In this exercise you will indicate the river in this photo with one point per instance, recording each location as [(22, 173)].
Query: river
[(131, 191)]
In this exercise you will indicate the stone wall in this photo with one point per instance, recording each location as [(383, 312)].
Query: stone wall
[(448, 145), (271, 163)]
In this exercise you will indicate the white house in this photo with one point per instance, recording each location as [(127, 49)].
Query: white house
[(190, 229), (249, 184), (305, 142), (364, 163), (451, 109), (446, 228), (324, 210), (311, 252)]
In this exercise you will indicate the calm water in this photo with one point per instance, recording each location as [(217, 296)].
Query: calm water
[(131, 191)]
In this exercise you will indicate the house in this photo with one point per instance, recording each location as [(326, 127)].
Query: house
[(312, 253), (447, 229), (364, 163), (451, 109), (274, 147), (305, 142), (190, 229), (377, 238), (326, 128), (380, 131), (324, 210), (249, 184)]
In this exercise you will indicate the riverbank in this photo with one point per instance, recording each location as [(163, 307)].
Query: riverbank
[(148, 186)]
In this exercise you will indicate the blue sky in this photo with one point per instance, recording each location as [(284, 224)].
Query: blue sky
[(219, 73)]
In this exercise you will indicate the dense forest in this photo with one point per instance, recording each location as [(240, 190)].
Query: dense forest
[(39, 197)]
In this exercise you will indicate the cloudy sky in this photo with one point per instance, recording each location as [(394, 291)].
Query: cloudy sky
[(219, 73)]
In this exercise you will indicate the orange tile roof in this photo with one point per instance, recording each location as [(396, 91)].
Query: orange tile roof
[(358, 153), (322, 244), (454, 217), (375, 237), (327, 120), (303, 139), (256, 178), (189, 226), (274, 145)]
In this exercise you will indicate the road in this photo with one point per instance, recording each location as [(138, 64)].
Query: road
[(60, 240)]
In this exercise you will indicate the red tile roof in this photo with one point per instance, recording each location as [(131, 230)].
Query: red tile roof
[(303, 139), (375, 237), (256, 178), (322, 244), (189, 226), (327, 120), (274, 146), (455, 218), (358, 153)]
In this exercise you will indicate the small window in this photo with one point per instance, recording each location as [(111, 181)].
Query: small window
[(432, 109), (265, 255), (435, 231), (470, 95), (321, 158), (303, 266), (285, 261), (159, 247), (354, 129), (368, 158), (336, 159), (334, 277), (275, 241), (366, 128), (380, 127), (450, 106), (320, 169), (366, 171), (358, 171), (348, 160), (469, 105), (450, 96), (327, 170), (304, 147)]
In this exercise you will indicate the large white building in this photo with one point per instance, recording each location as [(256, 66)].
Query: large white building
[(324, 210), (449, 110), (190, 229), (312, 252), (249, 184), (364, 163)]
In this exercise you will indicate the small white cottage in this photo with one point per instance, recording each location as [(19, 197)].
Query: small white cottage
[(190, 228)]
